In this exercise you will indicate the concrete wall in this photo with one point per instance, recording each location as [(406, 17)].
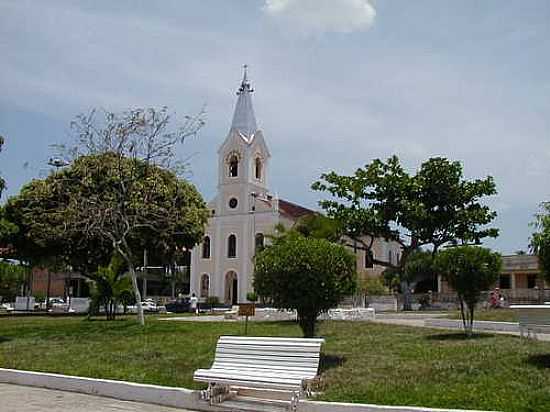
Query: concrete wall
[(169, 396)]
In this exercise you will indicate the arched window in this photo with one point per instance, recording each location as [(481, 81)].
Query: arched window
[(233, 166), (369, 259), (259, 242), (205, 285), (390, 257), (232, 246), (258, 168), (206, 248)]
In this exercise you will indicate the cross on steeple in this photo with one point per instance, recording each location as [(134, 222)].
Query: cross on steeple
[(244, 120), (245, 84)]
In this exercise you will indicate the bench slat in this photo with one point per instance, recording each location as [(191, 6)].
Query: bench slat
[(285, 348), (247, 353), (267, 360), (267, 374), (244, 365)]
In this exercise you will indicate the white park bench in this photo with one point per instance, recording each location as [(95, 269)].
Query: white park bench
[(261, 370), (533, 319)]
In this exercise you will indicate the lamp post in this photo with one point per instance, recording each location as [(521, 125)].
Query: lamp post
[(58, 163)]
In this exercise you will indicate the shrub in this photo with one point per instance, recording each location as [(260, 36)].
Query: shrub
[(305, 274)]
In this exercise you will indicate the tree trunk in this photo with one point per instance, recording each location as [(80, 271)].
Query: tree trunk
[(133, 275), (407, 296), (307, 324), (464, 323)]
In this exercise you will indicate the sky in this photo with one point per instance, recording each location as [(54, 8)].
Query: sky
[(337, 84)]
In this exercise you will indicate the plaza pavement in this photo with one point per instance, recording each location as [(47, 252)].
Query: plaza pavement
[(15, 398)]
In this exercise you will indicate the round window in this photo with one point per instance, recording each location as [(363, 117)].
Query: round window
[(233, 202)]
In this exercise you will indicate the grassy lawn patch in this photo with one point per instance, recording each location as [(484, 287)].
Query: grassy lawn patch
[(496, 315), (363, 362)]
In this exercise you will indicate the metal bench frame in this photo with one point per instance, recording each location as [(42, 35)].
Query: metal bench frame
[(277, 365)]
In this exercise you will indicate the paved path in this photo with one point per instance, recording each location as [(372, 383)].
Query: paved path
[(14, 398), (411, 320)]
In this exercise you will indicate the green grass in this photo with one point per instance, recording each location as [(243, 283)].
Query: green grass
[(497, 315), (363, 362)]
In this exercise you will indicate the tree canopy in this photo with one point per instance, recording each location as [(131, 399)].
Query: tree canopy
[(470, 270), (540, 240), (432, 208), (306, 274), (122, 192)]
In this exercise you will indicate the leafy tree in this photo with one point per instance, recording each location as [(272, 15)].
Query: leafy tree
[(12, 278), (433, 208), (122, 193), (305, 274), (540, 240), (111, 287), (319, 226), (373, 286), (469, 270), (419, 267)]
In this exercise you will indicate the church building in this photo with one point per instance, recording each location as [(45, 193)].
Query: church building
[(244, 211)]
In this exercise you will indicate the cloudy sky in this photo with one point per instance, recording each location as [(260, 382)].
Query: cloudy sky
[(338, 83)]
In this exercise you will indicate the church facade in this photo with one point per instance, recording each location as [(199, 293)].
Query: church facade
[(244, 212)]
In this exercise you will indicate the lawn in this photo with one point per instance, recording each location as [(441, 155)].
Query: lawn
[(497, 315), (363, 362)]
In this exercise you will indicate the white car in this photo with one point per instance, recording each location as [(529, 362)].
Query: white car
[(7, 307), (149, 305)]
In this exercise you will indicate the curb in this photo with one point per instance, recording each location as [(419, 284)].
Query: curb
[(174, 397)]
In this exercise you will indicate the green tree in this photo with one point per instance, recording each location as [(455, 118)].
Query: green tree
[(123, 192), (111, 287), (432, 208), (319, 226), (469, 270), (418, 267), (12, 278), (305, 274), (540, 240)]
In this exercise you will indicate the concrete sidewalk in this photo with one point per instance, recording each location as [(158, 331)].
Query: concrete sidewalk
[(15, 398), (451, 324)]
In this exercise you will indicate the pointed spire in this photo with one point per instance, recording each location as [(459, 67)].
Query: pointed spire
[(244, 120)]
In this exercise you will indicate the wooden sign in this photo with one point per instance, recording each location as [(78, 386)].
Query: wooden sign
[(247, 309)]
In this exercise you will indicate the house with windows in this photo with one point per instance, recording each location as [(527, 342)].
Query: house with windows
[(244, 211)]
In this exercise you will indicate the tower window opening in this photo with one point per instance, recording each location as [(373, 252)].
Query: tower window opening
[(258, 168), (233, 166), (232, 246)]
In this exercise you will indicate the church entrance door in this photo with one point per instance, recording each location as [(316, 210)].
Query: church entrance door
[(231, 295)]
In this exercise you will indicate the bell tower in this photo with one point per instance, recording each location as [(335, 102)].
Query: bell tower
[(243, 157)]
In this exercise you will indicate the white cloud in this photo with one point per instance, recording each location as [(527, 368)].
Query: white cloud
[(324, 15)]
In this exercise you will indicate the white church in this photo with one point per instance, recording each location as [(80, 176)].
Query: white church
[(244, 211)]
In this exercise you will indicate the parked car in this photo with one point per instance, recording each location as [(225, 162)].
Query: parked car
[(6, 307), (58, 305), (149, 305), (178, 306)]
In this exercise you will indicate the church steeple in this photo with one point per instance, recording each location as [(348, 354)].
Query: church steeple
[(244, 120)]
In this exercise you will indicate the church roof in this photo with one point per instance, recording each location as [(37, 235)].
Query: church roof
[(294, 210), (244, 120)]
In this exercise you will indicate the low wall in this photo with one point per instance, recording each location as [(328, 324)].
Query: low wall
[(170, 396)]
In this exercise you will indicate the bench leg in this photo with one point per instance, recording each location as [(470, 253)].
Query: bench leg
[(294, 401), (216, 393)]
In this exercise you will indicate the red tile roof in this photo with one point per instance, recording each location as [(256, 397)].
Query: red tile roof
[(293, 210)]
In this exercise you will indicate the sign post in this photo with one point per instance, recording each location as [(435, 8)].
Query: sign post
[(246, 310)]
